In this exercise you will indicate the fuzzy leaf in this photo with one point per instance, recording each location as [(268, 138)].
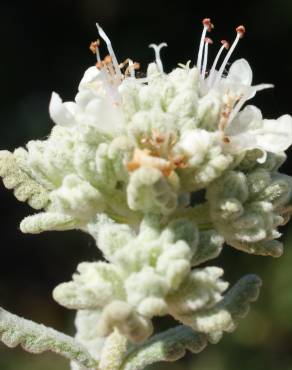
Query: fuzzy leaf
[(37, 338)]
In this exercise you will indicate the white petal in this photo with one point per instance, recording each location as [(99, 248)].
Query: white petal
[(254, 89), (241, 142), (72, 107), (106, 116), (240, 73), (275, 135), (84, 97), (59, 113), (272, 136), (195, 144), (90, 75), (249, 118)]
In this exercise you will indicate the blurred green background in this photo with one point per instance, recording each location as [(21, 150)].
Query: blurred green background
[(44, 47)]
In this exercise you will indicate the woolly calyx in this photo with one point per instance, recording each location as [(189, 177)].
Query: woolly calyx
[(172, 345), (246, 209), (149, 274), (77, 198), (93, 287), (122, 316), (149, 191)]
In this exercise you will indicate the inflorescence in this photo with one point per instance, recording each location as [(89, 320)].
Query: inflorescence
[(125, 163)]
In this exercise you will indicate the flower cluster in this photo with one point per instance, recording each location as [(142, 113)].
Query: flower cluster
[(125, 163)]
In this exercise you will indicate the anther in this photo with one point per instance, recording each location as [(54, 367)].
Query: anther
[(207, 23), (137, 65), (130, 70), (93, 46), (208, 40), (99, 65), (108, 59), (225, 44), (240, 30)]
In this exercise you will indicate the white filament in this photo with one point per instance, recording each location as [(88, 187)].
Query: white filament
[(97, 55), (131, 68), (239, 105), (104, 36), (227, 57), (157, 49), (200, 54), (212, 72), (203, 74)]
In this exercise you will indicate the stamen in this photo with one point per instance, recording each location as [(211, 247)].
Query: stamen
[(240, 30), (157, 49), (225, 45), (131, 68), (137, 65), (94, 47), (108, 63), (207, 27), (104, 36), (123, 64), (207, 42), (239, 105)]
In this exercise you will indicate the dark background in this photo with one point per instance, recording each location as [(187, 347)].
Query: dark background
[(44, 47)]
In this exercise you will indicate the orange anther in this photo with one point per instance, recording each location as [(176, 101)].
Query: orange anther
[(240, 30)]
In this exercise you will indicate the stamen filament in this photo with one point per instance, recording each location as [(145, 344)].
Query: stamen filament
[(207, 27), (95, 50), (238, 106), (157, 49), (225, 45), (131, 68), (240, 32), (98, 58), (104, 36), (207, 42)]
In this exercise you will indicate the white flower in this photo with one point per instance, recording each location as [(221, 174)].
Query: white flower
[(249, 131), (195, 144), (240, 130), (94, 104), (108, 99)]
